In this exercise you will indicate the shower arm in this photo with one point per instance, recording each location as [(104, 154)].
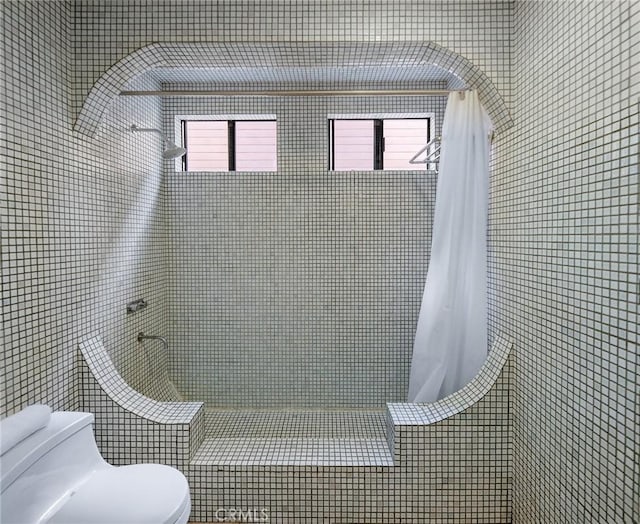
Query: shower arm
[(171, 150), (142, 337), (151, 130)]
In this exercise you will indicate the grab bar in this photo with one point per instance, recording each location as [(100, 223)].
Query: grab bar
[(142, 336)]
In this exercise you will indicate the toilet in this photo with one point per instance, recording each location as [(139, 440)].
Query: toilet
[(53, 473)]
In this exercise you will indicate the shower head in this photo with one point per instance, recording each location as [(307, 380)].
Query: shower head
[(173, 151), (170, 149)]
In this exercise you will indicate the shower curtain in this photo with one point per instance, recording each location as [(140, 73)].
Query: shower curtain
[(451, 336)]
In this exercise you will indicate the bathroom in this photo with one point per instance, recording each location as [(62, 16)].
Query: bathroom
[(293, 295)]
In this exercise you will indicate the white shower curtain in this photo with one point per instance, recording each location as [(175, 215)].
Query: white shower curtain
[(451, 336)]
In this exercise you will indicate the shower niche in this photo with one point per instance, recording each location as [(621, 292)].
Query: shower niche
[(297, 289)]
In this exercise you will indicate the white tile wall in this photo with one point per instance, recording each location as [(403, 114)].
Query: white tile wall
[(564, 233), (298, 288), (565, 229), (80, 233)]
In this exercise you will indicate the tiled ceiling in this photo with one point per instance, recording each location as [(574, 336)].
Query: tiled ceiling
[(302, 65), (428, 75)]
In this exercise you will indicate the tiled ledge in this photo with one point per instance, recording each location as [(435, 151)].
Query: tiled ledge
[(333, 438), (296, 451), (114, 386), (408, 414), (407, 421), (453, 465), (295, 423), (291, 461), (130, 427), (291, 438), (294, 438)]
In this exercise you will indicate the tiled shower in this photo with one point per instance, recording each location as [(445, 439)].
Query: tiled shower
[(348, 250), (300, 289)]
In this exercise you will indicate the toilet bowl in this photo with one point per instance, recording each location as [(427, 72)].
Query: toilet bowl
[(53, 473)]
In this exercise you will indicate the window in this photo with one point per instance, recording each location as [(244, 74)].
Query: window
[(229, 145), (364, 143)]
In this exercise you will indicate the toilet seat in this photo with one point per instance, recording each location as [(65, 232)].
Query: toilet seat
[(138, 494)]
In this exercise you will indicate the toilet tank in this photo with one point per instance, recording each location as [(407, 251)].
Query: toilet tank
[(41, 472)]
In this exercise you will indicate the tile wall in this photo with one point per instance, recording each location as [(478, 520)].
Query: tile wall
[(105, 32), (322, 223), (315, 333), (101, 267), (564, 216), (565, 221), (299, 288), (80, 218), (280, 323)]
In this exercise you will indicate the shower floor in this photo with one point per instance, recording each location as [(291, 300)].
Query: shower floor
[(290, 438)]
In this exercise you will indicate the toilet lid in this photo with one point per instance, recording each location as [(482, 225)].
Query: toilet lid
[(139, 494)]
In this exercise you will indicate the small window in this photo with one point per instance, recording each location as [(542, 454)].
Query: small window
[(229, 145), (368, 144)]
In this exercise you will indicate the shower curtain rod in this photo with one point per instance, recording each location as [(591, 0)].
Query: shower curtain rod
[(297, 92)]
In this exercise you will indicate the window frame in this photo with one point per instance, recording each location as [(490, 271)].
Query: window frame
[(180, 129), (378, 127)]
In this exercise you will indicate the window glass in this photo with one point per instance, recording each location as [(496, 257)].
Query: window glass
[(256, 145), (376, 143), (353, 145), (403, 139), (207, 144), (230, 145)]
